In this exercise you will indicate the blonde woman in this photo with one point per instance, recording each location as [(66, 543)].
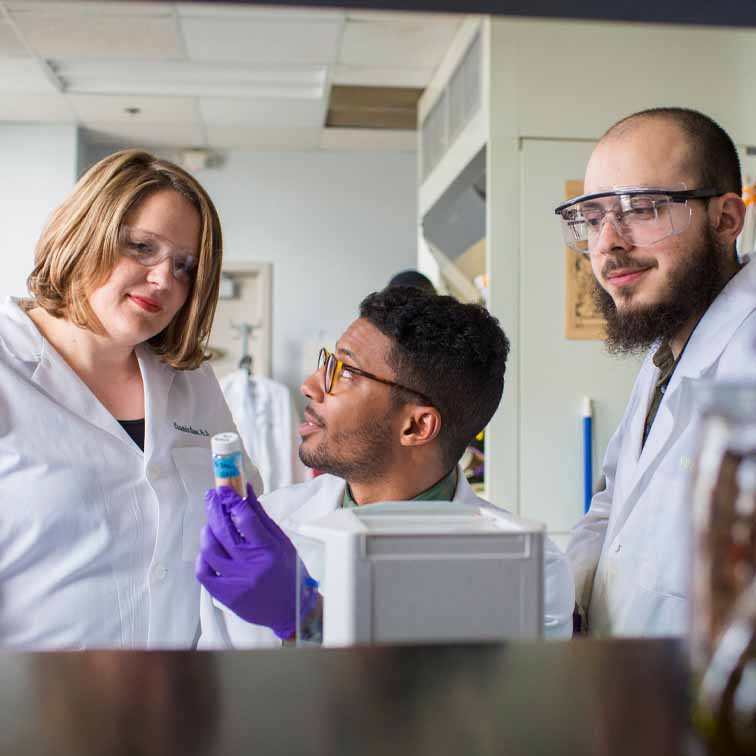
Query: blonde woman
[(107, 407)]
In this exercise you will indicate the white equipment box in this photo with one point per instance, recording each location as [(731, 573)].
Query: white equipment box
[(426, 572)]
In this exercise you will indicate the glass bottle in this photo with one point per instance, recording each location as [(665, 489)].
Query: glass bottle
[(723, 632)]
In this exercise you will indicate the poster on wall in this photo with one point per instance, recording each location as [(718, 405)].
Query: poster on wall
[(583, 320)]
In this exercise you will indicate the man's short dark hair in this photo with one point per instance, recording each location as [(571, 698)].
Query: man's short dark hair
[(413, 278), (453, 353), (712, 152)]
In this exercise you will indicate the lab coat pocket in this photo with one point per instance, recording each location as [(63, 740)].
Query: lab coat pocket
[(668, 572), (196, 470)]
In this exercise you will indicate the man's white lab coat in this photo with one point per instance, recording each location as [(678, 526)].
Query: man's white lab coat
[(636, 538), (306, 502)]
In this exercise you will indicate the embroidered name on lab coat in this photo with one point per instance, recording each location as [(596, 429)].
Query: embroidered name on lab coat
[(189, 429)]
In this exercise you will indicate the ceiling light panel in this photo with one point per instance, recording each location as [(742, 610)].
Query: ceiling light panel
[(88, 35), (399, 44), (176, 78), (150, 110), (261, 41), (35, 109), (221, 111), (10, 45), (24, 76)]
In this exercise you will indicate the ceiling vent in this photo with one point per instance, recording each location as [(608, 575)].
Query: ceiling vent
[(373, 107), (456, 105)]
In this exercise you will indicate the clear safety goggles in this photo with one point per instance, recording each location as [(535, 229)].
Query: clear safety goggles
[(641, 215), (148, 250)]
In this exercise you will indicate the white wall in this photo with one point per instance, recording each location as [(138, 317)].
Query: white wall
[(336, 226), (89, 153), (574, 79), (38, 169), (557, 372)]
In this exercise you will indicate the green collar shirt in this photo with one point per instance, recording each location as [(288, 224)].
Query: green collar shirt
[(444, 490)]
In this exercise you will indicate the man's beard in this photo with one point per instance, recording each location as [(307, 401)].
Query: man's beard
[(691, 289), (361, 455)]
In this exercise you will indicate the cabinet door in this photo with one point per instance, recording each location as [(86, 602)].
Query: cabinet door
[(250, 305)]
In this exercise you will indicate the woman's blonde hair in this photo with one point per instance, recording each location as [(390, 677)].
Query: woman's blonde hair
[(79, 247)]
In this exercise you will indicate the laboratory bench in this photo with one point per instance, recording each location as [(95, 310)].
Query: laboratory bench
[(559, 698)]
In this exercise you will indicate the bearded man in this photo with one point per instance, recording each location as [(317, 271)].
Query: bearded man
[(660, 218)]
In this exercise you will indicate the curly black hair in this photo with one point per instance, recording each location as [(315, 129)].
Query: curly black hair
[(453, 353)]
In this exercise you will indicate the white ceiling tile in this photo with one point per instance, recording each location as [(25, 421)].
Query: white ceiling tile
[(35, 108), (261, 41), (90, 7), (368, 140), (100, 36), (222, 111), (233, 10), (370, 76), (24, 76), (401, 45), (152, 110), (283, 140), (145, 136), (10, 45), (404, 17)]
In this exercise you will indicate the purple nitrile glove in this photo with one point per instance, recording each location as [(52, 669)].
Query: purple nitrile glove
[(248, 564)]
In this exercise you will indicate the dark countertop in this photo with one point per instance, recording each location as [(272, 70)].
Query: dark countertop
[(580, 697)]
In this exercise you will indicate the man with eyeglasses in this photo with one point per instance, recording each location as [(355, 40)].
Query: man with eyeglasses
[(659, 220), (390, 413)]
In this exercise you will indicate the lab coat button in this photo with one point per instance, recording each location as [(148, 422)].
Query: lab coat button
[(617, 548), (160, 571), (153, 472)]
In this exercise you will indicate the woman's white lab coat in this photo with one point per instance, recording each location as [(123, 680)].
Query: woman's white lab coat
[(307, 502), (97, 539), (636, 538)]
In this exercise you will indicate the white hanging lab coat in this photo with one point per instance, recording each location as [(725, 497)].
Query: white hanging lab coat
[(264, 412), (97, 539), (304, 503), (631, 552)]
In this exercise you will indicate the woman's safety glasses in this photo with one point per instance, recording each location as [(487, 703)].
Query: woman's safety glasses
[(641, 215), (335, 369), (148, 250)]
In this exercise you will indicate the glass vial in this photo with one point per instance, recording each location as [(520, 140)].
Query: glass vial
[(228, 462)]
